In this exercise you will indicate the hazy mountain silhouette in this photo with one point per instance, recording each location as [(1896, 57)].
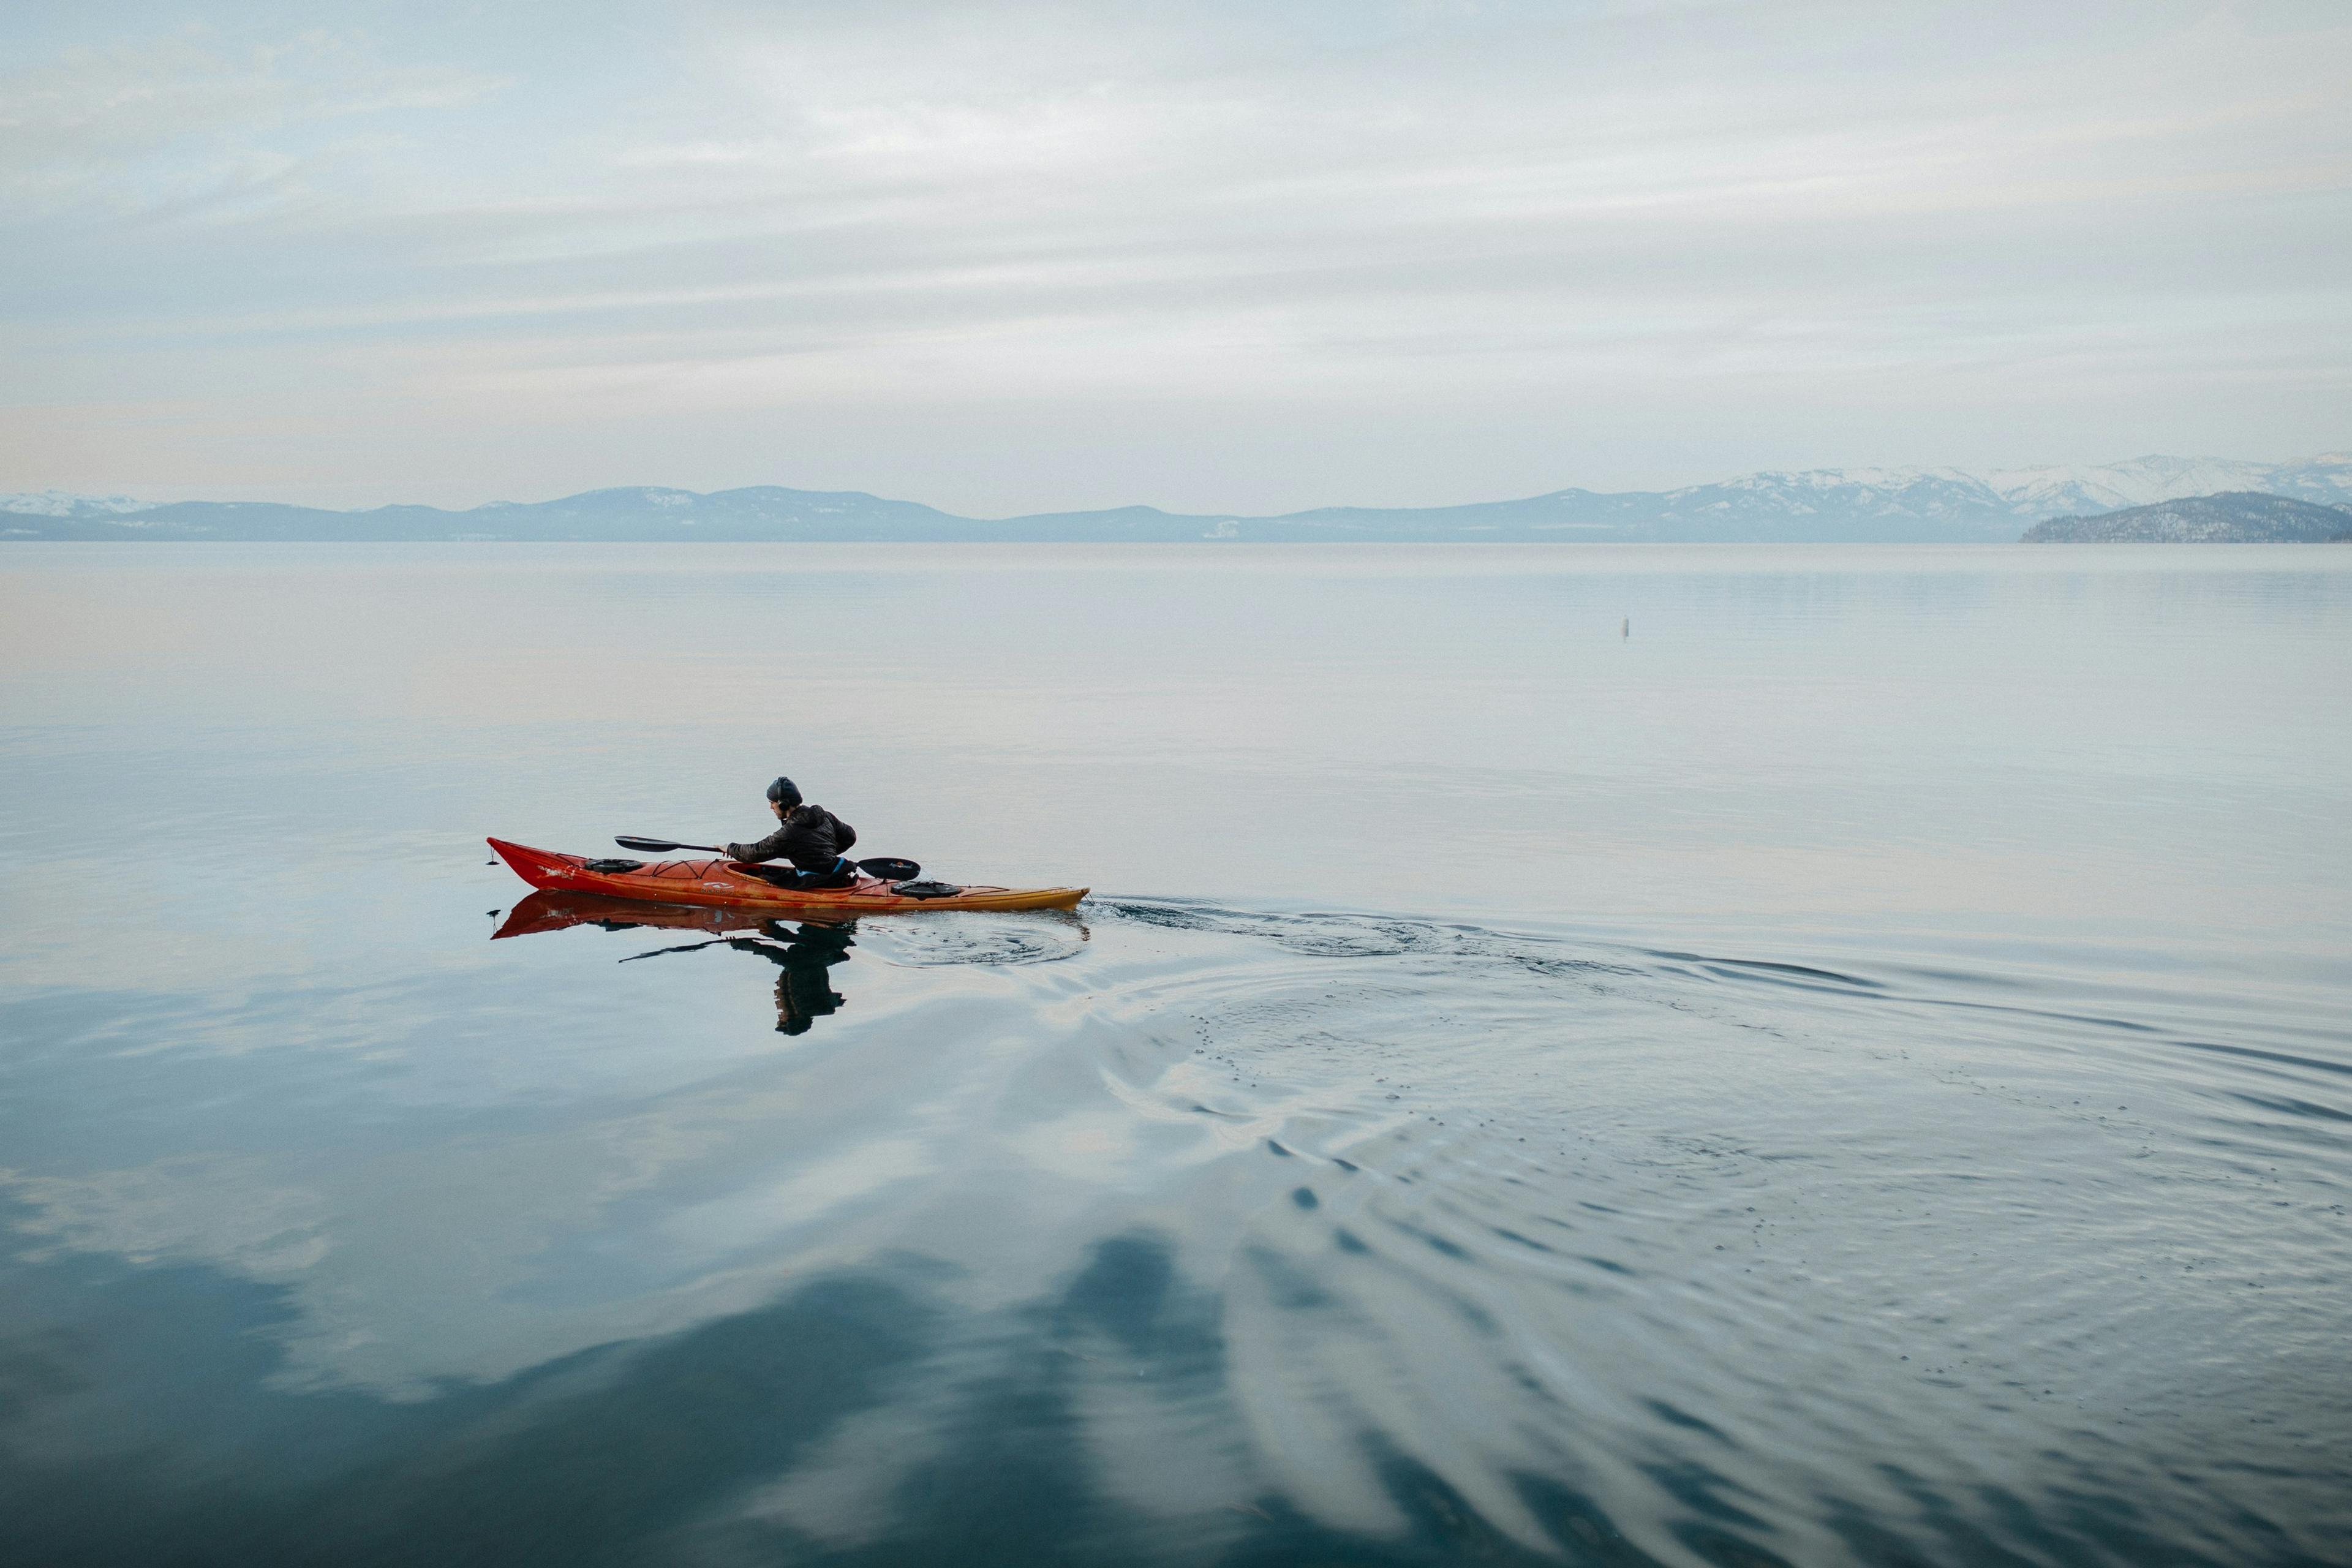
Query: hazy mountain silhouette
[(1823, 505), (2238, 517)]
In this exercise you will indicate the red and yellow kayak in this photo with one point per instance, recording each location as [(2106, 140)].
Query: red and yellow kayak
[(730, 884)]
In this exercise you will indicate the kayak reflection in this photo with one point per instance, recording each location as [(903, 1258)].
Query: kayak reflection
[(805, 953)]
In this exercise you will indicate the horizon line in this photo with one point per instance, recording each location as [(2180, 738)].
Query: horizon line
[(1906, 470)]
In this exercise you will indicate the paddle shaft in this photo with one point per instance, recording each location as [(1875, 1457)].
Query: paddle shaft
[(888, 867)]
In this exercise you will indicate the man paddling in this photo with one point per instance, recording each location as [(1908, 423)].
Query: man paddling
[(810, 836)]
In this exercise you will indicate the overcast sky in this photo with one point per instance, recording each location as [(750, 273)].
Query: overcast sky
[(1246, 257)]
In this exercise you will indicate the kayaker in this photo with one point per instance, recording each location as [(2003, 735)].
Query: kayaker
[(810, 836)]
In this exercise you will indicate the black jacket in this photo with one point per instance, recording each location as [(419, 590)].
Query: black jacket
[(810, 836)]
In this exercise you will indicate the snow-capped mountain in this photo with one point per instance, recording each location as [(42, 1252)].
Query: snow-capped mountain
[(2074, 491), (1886, 492), (1815, 505), (2029, 494), (62, 503), (2244, 517)]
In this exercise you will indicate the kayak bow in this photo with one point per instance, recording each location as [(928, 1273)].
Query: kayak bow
[(730, 884)]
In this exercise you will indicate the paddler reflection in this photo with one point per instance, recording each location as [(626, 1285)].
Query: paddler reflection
[(805, 953), (805, 990)]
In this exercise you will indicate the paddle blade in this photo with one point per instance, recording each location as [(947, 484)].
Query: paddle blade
[(890, 869)]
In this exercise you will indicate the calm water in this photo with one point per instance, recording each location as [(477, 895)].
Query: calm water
[(1855, 1067)]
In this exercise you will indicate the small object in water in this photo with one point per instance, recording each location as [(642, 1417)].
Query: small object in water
[(1626, 630)]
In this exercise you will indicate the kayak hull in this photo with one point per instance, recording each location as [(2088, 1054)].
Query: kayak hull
[(729, 884)]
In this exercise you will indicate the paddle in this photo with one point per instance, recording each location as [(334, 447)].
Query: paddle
[(689, 947), (889, 868)]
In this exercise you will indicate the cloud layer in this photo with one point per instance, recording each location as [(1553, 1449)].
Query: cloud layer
[(1029, 257)]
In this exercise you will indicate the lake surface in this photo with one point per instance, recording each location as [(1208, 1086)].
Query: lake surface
[(1579, 1055)]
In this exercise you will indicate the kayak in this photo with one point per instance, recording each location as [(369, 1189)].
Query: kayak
[(730, 884)]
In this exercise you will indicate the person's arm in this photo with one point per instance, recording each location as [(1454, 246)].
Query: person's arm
[(767, 849)]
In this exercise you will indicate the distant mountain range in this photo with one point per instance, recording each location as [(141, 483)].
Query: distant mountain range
[(1821, 505), (2236, 517)]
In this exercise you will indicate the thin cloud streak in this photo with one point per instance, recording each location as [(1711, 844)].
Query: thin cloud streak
[(1447, 258)]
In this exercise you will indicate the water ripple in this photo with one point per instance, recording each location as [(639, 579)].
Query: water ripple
[(1192, 1233)]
